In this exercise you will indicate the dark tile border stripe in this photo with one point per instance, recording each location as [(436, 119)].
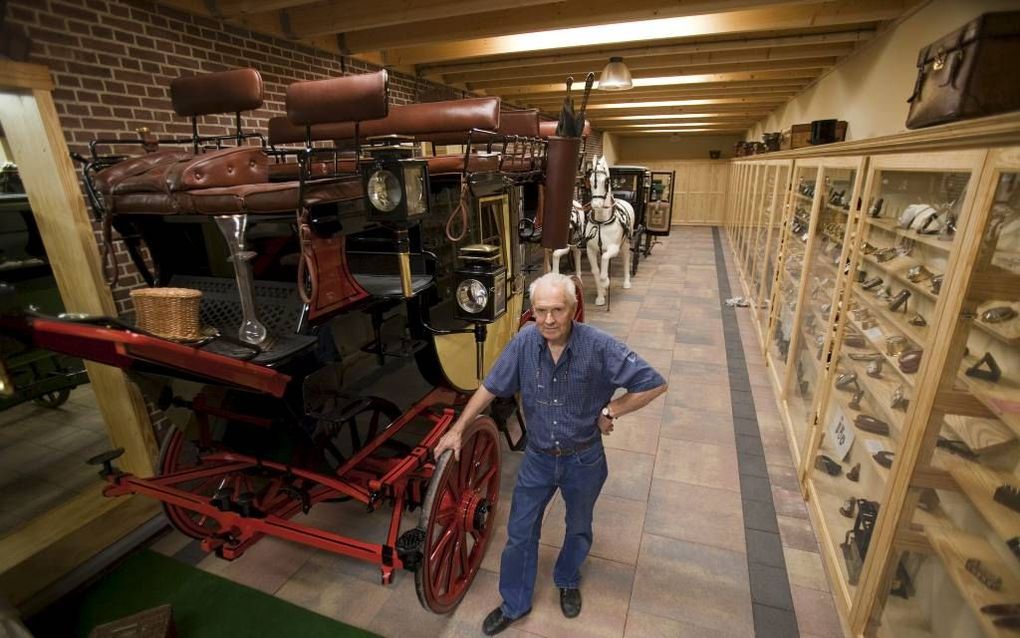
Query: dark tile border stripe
[(771, 601)]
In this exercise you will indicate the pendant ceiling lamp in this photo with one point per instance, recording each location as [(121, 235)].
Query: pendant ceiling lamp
[(615, 76)]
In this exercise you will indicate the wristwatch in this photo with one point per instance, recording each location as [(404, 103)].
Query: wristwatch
[(607, 414)]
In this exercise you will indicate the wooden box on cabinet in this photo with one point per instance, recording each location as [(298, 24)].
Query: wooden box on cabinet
[(800, 134)]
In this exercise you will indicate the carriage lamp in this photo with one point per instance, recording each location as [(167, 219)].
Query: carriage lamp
[(480, 292), (396, 186)]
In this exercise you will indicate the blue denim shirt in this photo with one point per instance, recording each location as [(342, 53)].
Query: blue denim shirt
[(562, 401)]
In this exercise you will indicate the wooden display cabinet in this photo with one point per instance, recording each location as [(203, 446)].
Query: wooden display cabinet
[(928, 438)]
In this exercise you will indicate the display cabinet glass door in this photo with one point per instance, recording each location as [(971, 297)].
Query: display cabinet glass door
[(790, 289), (765, 268), (760, 212), (889, 301), (747, 197)]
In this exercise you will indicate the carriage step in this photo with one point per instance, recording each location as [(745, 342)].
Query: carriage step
[(106, 459), (409, 548)]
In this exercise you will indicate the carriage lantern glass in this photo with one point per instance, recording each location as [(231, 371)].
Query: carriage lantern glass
[(481, 284), (396, 186), (615, 76)]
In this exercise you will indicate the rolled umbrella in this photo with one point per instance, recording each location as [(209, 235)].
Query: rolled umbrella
[(579, 119), (566, 121)]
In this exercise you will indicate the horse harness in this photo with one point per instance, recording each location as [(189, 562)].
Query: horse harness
[(592, 228)]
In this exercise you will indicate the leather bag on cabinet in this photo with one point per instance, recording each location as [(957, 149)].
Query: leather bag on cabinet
[(968, 73)]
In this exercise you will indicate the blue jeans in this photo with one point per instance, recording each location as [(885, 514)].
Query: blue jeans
[(579, 478)]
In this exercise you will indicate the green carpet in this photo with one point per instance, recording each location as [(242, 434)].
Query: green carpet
[(203, 605)]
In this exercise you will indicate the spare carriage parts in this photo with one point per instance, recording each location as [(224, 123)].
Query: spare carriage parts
[(936, 284), (871, 424), (998, 314), (983, 574), (895, 345), (917, 320), (855, 473), (899, 400), (884, 458), (855, 401), (849, 507), (828, 465), (1008, 495), (910, 361), (985, 368), (900, 300), (875, 368)]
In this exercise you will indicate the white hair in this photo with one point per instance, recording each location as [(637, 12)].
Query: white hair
[(556, 280)]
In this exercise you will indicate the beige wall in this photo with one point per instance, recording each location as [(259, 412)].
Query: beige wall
[(699, 190), (663, 148), (609, 142), (869, 89)]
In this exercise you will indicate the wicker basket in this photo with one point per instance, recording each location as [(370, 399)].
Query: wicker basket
[(171, 313)]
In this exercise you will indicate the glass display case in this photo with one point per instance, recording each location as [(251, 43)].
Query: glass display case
[(765, 268)]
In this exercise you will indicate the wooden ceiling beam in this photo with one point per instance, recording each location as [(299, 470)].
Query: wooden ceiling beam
[(673, 110), (650, 118), (692, 133), (629, 53), (682, 61), (346, 16), (790, 84), (235, 8), (659, 95), (697, 79), (486, 34)]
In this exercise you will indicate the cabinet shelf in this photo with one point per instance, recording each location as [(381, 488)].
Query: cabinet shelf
[(804, 198), (890, 226), (979, 484), (954, 548)]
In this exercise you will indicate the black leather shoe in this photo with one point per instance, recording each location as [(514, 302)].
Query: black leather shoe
[(496, 621), (570, 601)]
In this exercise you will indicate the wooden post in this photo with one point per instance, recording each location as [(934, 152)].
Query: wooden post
[(37, 145)]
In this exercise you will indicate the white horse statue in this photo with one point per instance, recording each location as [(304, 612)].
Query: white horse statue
[(607, 230), (574, 240)]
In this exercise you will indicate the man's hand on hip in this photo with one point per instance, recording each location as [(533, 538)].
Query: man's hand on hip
[(605, 425)]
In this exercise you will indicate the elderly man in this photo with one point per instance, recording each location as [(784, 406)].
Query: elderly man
[(566, 374)]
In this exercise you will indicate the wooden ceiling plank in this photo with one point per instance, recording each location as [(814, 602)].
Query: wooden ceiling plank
[(486, 34), (703, 78), (629, 53), (235, 8), (794, 84), (630, 96), (346, 16), (578, 69)]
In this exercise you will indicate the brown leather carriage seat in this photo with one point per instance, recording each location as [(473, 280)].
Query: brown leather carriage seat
[(237, 181), (234, 91), (523, 125), (547, 128)]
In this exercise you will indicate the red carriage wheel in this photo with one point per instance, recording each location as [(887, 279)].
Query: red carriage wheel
[(180, 453), (457, 517)]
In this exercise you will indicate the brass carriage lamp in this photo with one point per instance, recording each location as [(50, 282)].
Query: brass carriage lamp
[(481, 284), (396, 185)]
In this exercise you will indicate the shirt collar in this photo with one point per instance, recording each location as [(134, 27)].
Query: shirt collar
[(544, 345)]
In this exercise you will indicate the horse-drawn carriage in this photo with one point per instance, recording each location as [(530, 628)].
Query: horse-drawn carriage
[(288, 236)]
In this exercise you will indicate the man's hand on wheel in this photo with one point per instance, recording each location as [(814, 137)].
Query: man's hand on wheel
[(449, 441)]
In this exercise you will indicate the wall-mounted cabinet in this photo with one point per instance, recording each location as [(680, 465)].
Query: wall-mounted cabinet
[(892, 336)]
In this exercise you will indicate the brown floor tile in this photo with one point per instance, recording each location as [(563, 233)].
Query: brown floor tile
[(702, 396), (693, 583), (617, 525), (816, 613), (697, 463), (339, 596), (700, 426), (696, 514), (635, 433), (266, 566), (481, 598), (805, 569), (642, 625), (170, 543), (797, 533), (696, 352), (788, 502), (630, 474)]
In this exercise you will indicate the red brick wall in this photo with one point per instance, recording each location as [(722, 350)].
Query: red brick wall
[(113, 61)]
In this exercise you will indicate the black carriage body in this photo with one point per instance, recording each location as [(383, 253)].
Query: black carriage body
[(631, 183)]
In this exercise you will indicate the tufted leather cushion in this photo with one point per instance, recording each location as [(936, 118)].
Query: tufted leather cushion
[(290, 170), (224, 92), (478, 162), (523, 123), (276, 197), (353, 98), (431, 118), (106, 179), (227, 167)]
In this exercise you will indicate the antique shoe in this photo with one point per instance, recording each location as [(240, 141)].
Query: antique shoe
[(899, 400), (855, 473), (860, 314), (895, 345), (875, 368), (868, 248), (848, 507), (884, 458), (871, 424), (998, 314), (886, 254), (917, 320), (855, 402), (876, 208), (936, 284), (496, 621), (910, 361), (827, 465), (899, 300), (1008, 495), (918, 273), (867, 356), (990, 373), (570, 601), (957, 447), (855, 340), (846, 381), (884, 293)]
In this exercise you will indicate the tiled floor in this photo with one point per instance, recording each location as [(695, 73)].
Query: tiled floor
[(42, 455), (700, 530)]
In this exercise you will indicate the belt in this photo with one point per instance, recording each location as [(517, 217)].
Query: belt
[(558, 451)]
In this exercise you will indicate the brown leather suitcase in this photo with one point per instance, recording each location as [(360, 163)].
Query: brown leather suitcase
[(969, 72)]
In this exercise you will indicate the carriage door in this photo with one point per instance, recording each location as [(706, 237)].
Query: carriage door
[(494, 228), (660, 203)]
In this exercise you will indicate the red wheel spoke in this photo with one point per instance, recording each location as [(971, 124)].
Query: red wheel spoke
[(463, 555), (453, 560), (467, 460), (444, 559), (445, 538), (485, 478), (445, 516)]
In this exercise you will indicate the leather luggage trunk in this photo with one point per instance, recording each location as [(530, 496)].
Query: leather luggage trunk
[(968, 73)]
